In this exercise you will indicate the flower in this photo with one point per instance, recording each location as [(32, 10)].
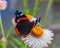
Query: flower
[(3, 4), (3, 39), (40, 42)]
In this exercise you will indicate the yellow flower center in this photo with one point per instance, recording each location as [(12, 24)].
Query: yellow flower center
[(37, 31)]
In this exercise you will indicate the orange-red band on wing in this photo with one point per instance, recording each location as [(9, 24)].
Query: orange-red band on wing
[(22, 19), (17, 31)]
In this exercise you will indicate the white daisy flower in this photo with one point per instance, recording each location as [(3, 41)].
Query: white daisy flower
[(40, 42)]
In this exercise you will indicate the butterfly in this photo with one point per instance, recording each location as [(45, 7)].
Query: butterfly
[(24, 25)]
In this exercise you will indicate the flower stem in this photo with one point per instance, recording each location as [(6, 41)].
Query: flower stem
[(36, 7), (9, 32), (1, 25), (25, 6), (46, 13)]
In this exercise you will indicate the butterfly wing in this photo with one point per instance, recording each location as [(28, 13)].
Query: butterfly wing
[(25, 27)]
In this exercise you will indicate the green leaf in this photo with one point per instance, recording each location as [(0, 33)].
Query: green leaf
[(25, 6), (9, 32), (57, 1), (25, 46), (13, 44), (36, 8), (2, 44), (43, 22), (1, 25), (17, 41)]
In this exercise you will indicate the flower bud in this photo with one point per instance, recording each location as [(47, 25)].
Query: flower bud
[(3, 4)]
